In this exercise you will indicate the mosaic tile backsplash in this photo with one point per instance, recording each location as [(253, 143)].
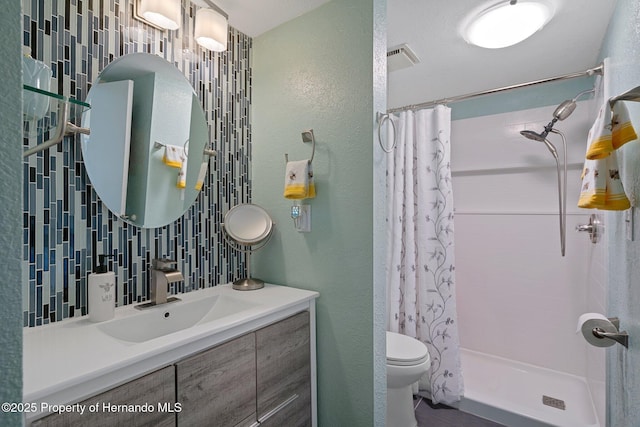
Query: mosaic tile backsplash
[(66, 225)]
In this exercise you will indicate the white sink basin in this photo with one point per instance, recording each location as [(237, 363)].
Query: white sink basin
[(168, 318)]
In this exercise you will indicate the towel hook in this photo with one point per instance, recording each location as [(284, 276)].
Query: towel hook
[(307, 136), (381, 119)]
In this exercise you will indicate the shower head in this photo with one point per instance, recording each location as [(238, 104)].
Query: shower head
[(564, 110), (541, 137), (535, 136)]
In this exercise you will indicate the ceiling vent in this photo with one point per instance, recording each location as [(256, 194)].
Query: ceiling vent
[(400, 57)]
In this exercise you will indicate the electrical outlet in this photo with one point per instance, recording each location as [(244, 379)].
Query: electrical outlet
[(303, 222)]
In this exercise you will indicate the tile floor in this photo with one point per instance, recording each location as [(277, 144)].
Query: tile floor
[(430, 415)]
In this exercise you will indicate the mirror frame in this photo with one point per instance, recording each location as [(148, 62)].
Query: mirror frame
[(247, 211)]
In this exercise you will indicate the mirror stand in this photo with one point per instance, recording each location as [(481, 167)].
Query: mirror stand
[(248, 283), (244, 226)]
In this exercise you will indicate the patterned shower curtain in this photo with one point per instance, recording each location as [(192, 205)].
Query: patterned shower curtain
[(420, 260)]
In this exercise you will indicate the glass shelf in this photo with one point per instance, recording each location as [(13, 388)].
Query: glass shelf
[(48, 117)]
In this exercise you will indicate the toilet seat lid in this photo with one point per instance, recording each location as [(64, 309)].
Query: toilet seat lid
[(404, 350)]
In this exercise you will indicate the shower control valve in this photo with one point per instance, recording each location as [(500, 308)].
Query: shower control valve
[(594, 228)]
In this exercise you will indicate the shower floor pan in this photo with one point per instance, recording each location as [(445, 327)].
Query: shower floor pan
[(518, 394)]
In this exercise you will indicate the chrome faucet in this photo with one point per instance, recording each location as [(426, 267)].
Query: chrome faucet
[(162, 274)]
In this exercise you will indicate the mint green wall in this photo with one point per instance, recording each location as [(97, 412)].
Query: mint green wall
[(10, 209), (317, 71), (170, 102), (540, 95), (141, 116), (622, 46)]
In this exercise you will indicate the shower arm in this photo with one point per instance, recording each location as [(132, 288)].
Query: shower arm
[(584, 92)]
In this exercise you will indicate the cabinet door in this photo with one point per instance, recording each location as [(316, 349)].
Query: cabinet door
[(284, 373), (156, 389), (218, 387)]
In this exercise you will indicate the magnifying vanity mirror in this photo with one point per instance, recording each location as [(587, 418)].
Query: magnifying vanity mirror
[(148, 140), (247, 228)]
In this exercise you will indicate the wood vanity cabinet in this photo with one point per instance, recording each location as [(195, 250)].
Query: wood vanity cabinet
[(262, 378), (156, 388)]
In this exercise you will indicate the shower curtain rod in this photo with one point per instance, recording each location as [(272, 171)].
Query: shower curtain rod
[(590, 72)]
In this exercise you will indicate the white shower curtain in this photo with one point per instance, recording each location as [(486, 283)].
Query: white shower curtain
[(420, 261)]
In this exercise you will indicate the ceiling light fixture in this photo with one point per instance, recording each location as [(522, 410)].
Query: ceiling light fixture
[(506, 23), (211, 28), (163, 14)]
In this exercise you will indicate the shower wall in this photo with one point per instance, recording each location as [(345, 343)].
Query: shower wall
[(518, 298)]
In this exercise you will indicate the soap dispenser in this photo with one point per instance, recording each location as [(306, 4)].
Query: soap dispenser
[(102, 292)]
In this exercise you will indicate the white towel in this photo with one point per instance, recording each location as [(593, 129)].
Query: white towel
[(173, 156), (202, 174), (182, 175), (611, 130), (176, 157), (298, 180), (601, 184)]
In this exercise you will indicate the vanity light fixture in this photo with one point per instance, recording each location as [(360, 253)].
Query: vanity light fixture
[(211, 24), (162, 14), (506, 23), (211, 28)]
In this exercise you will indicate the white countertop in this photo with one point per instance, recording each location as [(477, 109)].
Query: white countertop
[(67, 361)]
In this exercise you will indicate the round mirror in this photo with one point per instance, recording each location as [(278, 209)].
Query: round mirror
[(247, 228), (248, 224), (147, 142)]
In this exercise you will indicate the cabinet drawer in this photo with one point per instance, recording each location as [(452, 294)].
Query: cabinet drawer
[(156, 389), (284, 371), (218, 387)]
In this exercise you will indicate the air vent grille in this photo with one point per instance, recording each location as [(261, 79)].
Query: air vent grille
[(400, 57)]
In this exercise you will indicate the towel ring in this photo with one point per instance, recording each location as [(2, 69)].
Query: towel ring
[(381, 119), (307, 136), (158, 145), (185, 147), (207, 151)]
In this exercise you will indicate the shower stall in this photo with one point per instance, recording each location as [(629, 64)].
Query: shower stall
[(518, 298), (518, 293)]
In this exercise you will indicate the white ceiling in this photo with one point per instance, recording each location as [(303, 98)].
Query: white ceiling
[(570, 42), (449, 66)]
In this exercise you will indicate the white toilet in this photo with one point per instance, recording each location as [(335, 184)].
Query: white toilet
[(407, 360)]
